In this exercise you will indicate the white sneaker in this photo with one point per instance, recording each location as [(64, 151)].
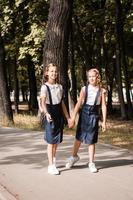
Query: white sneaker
[(53, 170), (71, 161), (92, 167)]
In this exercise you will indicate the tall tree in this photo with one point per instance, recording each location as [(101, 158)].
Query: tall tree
[(5, 104), (120, 53), (73, 80), (57, 36), (121, 40), (13, 34), (33, 104)]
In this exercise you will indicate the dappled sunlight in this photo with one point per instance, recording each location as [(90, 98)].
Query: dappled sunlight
[(29, 148), (27, 122)]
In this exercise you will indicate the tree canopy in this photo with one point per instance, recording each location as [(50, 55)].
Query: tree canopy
[(98, 33)]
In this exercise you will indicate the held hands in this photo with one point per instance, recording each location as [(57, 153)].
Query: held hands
[(71, 122)]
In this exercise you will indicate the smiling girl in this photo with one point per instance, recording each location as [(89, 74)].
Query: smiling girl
[(53, 107), (92, 96)]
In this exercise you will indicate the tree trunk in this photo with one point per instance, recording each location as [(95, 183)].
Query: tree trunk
[(127, 85), (56, 41), (15, 86), (119, 82), (119, 53), (87, 54), (124, 61), (14, 60), (83, 71), (109, 71), (73, 70), (33, 104), (5, 104)]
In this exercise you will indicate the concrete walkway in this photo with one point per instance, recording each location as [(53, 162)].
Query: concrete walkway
[(23, 170)]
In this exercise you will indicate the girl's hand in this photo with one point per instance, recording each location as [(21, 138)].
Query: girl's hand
[(103, 127), (71, 123), (48, 117)]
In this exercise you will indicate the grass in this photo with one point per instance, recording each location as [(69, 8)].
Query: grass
[(119, 133), (27, 122)]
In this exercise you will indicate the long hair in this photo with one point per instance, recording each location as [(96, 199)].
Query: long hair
[(45, 76)]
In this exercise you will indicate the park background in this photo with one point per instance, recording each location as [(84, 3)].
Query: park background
[(76, 35)]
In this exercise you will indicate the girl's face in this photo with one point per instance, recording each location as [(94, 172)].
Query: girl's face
[(52, 73), (92, 77)]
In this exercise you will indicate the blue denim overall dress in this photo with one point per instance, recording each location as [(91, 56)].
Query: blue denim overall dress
[(54, 129), (87, 128)]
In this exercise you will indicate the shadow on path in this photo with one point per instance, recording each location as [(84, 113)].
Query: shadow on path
[(28, 148)]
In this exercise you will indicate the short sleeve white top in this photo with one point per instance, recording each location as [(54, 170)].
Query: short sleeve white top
[(56, 92), (92, 92)]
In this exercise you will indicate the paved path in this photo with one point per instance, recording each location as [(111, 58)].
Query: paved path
[(23, 170)]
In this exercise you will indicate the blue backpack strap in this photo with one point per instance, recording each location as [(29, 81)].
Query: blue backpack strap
[(50, 97)]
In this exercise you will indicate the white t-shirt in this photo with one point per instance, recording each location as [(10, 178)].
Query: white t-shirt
[(92, 92), (56, 92)]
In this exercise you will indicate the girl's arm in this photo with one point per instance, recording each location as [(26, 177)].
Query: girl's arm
[(104, 109), (65, 110), (78, 104), (40, 105), (76, 108), (44, 108)]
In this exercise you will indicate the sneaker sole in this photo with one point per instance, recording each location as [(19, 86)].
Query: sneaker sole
[(53, 173)]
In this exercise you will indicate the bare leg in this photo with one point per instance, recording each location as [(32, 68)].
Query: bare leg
[(91, 150), (51, 150), (50, 153), (76, 146), (54, 149), (91, 165), (54, 153)]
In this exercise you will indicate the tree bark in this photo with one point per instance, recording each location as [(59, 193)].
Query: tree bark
[(86, 54), (119, 82), (121, 53), (15, 85), (72, 68), (56, 41), (6, 114), (124, 61), (33, 104), (109, 71)]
